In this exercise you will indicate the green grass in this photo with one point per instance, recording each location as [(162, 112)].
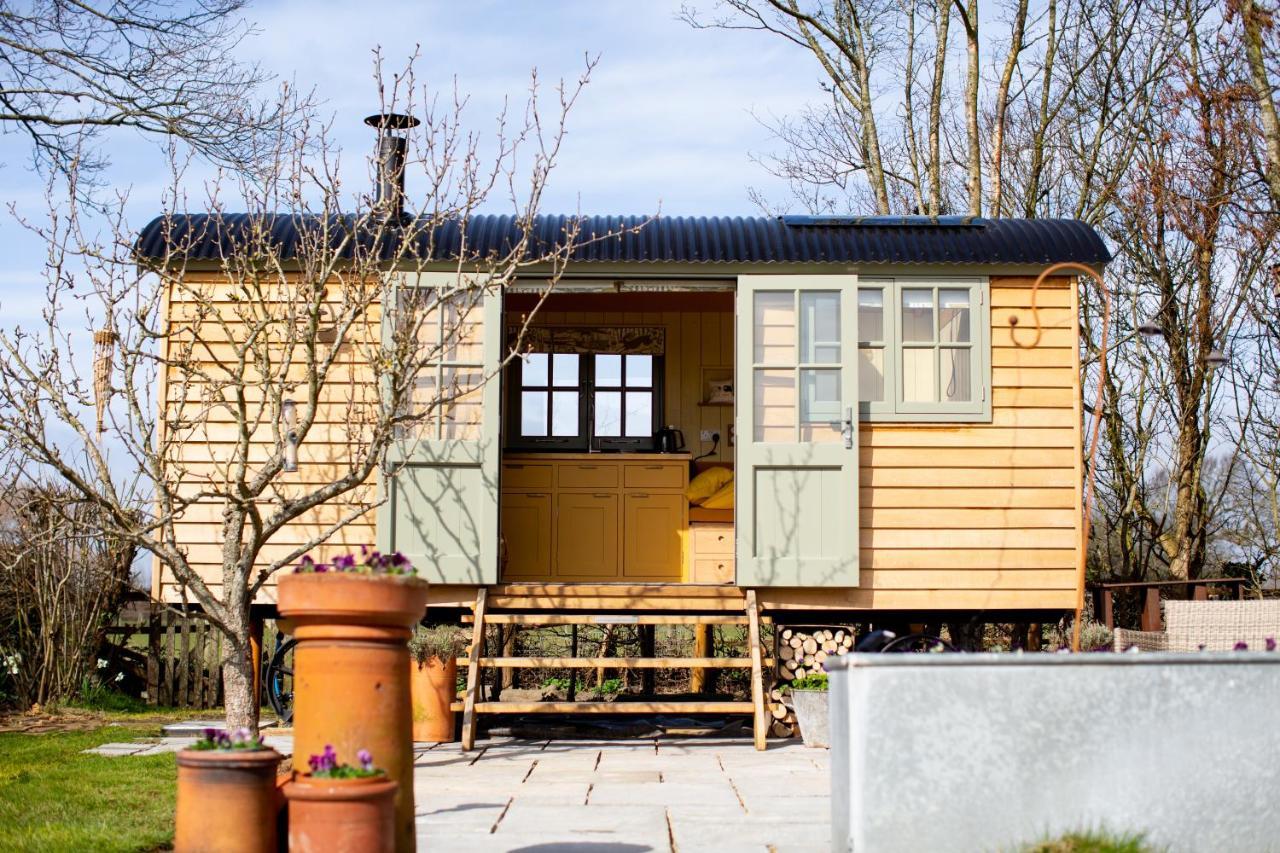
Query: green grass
[(1093, 842), (54, 798)]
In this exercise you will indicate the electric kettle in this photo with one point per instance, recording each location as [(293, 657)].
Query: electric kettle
[(669, 440)]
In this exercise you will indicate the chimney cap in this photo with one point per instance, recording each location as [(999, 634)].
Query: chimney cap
[(391, 121)]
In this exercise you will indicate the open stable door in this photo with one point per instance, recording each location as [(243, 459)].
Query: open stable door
[(796, 430), (442, 506)]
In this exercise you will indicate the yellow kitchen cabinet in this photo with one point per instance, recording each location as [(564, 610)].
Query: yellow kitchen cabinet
[(586, 535), (594, 517), (526, 535), (652, 524)]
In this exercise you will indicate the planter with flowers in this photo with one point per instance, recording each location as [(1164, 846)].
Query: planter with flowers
[(433, 680), (338, 806), (353, 618), (225, 774)]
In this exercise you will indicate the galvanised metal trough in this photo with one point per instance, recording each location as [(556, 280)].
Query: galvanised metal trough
[(975, 752)]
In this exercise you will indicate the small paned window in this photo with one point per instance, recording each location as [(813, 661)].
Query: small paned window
[(923, 350), (596, 401)]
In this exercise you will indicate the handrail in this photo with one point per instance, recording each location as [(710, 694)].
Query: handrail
[(1197, 581), (1104, 602)]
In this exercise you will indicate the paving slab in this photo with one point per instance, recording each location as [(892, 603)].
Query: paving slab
[(118, 749)]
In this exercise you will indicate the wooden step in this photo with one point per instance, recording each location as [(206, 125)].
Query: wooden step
[(552, 604), (613, 707), (492, 618), (613, 663)]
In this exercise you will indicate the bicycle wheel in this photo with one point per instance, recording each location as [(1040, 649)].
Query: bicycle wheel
[(917, 643), (279, 681)]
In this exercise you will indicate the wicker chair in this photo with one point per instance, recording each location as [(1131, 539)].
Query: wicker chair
[(1213, 626)]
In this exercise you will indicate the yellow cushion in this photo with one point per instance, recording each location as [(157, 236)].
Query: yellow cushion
[(707, 484), (722, 499)]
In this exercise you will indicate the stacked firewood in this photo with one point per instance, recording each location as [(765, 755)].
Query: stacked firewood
[(801, 652)]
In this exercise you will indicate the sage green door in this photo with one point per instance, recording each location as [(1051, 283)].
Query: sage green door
[(796, 431), (441, 509)]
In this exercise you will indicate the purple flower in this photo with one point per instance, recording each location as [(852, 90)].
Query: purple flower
[(1241, 646), (1271, 644), (345, 563), (306, 564), (366, 760), (325, 761)]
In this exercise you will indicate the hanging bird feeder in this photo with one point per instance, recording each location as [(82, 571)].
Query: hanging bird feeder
[(104, 347)]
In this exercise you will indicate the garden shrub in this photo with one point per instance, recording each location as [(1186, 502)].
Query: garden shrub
[(61, 582)]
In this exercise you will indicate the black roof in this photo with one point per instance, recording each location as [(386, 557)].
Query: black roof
[(680, 239)]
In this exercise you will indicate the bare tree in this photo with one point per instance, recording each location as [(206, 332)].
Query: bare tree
[(907, 131), (1195, 250), (221, 367), (70, 69)]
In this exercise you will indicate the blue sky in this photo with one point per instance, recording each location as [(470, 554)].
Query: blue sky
[(666, 122)]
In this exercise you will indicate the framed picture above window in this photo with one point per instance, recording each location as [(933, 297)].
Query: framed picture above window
[(584, 400), (924, 351)]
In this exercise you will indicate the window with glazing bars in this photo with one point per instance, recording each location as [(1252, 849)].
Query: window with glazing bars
[(923, 349)]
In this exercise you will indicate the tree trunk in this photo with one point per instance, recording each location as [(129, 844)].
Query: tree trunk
[(972, 81), (1002, 108), (936, 94), (237, 683), (1251, 19)]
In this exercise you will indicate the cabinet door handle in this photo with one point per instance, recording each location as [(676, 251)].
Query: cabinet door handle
[(588, 467), (653, 467), (639, 494), (536, 494), (601, 495)]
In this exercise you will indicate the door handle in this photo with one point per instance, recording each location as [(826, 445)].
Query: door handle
[(846, 428)]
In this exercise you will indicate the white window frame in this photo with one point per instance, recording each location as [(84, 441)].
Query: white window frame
[(893, 409)]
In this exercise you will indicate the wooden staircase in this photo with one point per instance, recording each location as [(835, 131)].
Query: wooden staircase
[(541, 605)]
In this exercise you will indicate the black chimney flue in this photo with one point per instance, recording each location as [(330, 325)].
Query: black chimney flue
[(392, 150)]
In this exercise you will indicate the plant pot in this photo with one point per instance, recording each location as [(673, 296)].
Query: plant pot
[(433, 685), (813, 717), (341, 815), (214, 784), (351, 672)]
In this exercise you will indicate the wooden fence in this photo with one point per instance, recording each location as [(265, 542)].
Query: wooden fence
[(175, 655)]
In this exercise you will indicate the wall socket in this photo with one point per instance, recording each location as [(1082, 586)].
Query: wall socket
[(706, 435)]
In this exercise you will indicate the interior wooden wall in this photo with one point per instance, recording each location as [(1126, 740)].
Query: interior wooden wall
[(699, 332)]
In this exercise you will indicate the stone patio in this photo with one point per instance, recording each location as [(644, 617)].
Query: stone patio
[(623, 796), (619, 796)]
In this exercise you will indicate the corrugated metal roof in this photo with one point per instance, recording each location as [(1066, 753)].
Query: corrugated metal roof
[(677, 239)]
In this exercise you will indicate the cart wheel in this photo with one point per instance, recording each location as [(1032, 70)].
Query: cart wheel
[(279, 681)]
